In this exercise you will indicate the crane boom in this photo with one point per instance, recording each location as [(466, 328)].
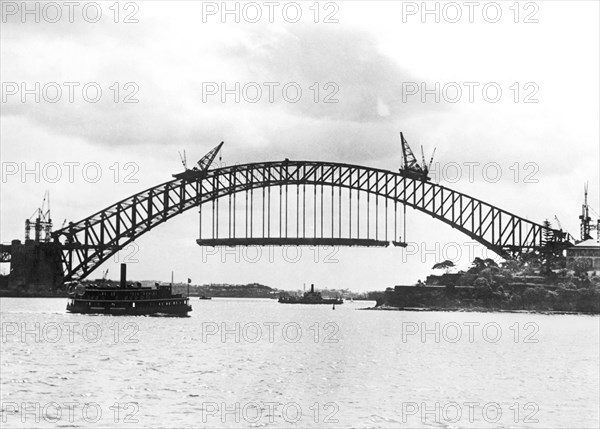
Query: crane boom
[(558, 222), (205, 162), (431, 160), (408, 157), (410, 166)]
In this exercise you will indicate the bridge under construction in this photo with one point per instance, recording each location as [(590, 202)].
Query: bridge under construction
[(274, 203)]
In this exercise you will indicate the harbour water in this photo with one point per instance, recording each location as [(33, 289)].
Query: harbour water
[(258, 363)]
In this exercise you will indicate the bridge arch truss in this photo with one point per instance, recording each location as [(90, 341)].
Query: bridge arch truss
[(88, 243)]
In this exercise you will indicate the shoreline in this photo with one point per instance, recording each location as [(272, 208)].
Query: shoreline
[(476, 310)]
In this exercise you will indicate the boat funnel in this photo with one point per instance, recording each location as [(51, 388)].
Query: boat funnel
[(123, 276)]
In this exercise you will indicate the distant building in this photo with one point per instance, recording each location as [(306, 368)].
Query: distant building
[(587, 253)]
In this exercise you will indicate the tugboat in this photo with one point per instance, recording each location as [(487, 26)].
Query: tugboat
[(311, 297), (127, 300)]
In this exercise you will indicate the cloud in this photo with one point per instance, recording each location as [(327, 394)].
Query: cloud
[(347, 57), (326, 63)]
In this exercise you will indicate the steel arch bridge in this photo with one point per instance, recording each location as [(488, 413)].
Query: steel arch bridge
[(86, 244)]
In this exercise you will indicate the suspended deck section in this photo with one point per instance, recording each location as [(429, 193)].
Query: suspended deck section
[(276, 241)]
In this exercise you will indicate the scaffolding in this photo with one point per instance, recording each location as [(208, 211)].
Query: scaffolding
[(41, 222)]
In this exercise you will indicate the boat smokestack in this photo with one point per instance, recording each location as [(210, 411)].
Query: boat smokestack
[(312, 288), (123, 276)]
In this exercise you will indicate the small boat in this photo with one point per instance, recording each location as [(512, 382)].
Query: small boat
[(126, 300), (204, 297), (131, 301), (311, 297)]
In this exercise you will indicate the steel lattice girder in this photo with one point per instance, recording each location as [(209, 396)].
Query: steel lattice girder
[(91, 241)]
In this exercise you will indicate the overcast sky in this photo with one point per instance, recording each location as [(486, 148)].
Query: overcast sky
[(372, 57)]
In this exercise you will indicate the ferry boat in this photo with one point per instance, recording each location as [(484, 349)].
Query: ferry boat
[(127, 300), (310, 297)]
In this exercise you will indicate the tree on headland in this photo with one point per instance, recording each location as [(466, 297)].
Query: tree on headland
[(482, 288), (446, 265), (552, 253), (490, 263), (581, 266), (548, 234), (478, 265), (511, 265)]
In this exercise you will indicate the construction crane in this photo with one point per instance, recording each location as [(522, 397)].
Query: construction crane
[(183, 159), (203, 164), (208, 159), (586, 225), (558, 222), (410, 167), (41, 221)]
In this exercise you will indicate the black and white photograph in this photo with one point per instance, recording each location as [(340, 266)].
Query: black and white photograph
[(300, 214)]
